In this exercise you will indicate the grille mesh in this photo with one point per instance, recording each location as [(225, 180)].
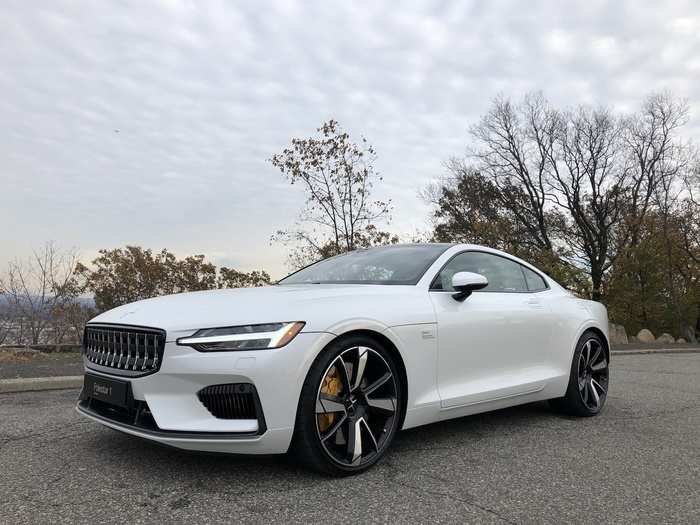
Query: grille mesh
[(230, 401), (123, 350)]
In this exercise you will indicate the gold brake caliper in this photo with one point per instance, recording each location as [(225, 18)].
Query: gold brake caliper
[(331, 386)]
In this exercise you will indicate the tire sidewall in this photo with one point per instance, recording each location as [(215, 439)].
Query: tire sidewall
[(573, 392), (306, 413)]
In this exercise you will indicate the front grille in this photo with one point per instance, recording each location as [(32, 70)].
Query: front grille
[(123, 350), (230, 401)]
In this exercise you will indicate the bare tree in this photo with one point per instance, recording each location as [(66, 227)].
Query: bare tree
[(69, 320), (35, 288), (5, 325), (580, 181), (513, 145), (587, 182), (690, 211), (338, 176), (655, 155), (470, 208)]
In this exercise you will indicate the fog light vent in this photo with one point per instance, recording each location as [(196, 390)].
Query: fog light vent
[(230, 401)]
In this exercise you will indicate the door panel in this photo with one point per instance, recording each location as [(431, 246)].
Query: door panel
[(496, 343), (491, 345)]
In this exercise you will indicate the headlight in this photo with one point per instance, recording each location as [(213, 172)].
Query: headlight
[(248, 337)]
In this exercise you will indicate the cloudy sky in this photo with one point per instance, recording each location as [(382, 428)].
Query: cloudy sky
[(150, 123)]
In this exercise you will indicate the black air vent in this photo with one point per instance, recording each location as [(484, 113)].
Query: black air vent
[(230, 401)]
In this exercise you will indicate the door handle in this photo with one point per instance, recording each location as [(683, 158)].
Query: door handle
[(534, 303)]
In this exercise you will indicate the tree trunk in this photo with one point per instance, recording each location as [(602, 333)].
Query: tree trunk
[(597, 280)]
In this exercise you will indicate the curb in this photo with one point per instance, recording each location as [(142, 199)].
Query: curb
[(40, 383), (656, 351)]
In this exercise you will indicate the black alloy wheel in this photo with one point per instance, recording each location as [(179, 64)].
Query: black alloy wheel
[(589, 378), (356, 409), (593, 375)]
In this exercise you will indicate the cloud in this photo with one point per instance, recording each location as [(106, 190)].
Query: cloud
[(151, 123)]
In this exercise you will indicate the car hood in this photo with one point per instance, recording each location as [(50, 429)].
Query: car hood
[(320, 306)]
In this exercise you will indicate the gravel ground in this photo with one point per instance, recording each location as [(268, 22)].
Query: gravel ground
[(638, 462)]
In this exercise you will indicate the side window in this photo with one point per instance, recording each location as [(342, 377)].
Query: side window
[(503, 274), (535, 283)]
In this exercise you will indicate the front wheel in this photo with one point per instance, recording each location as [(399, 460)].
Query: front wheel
[(349, 409), (589, 378)]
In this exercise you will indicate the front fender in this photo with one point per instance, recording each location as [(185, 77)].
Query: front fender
[(358, 323)]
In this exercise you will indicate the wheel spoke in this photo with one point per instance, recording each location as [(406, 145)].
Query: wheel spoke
[(355, 440), (584, 392), (587, 359), (581, 382), (336, 426), (343, 372), (600, 365), (596, 355), (361, 364), (369, 431), (379, 382), (385, 405), (596, 398), (597, 385), (328, 403)]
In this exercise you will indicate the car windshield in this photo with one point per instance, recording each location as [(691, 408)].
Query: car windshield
[(399, 264)]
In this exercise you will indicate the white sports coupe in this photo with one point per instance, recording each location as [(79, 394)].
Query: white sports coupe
[(331, 361)]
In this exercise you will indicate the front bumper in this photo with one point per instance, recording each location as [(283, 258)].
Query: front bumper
[(181, 420)]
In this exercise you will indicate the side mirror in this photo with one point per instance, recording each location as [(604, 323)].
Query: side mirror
[(465, 283)]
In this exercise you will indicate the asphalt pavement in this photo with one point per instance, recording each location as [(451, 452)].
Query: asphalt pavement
[(638, 462)]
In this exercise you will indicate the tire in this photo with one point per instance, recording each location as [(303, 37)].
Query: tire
[(340, 414), (589, 379)]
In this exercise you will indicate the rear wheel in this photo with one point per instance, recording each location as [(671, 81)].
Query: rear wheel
[(349, 409), (589, 378)]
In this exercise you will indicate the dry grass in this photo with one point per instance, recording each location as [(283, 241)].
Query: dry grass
[(10, 356), (15, 356)]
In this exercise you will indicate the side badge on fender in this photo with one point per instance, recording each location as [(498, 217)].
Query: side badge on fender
[(428, 334)]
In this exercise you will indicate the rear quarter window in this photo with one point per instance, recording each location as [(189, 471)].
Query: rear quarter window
[(535, 282)]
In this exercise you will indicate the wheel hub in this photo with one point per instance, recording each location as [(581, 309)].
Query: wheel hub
[(350, 406), (355, 406)]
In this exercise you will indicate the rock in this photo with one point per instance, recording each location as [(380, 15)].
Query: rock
[(618, 334), (666, 339), (645, 336), (689, 335), (681, 341)]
